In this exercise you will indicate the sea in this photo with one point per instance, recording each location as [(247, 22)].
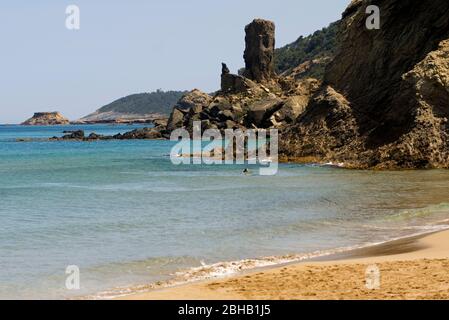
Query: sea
[(128, 219)]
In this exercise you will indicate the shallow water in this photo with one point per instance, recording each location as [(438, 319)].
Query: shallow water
[(125, 215)]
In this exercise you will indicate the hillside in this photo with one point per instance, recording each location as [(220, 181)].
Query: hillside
[(307, 56), (137, 106)]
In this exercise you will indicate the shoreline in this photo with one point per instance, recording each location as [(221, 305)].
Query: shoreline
[(415, 267)]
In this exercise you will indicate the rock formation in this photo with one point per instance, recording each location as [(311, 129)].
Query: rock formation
[(46, 119), (384, 102), (259, 51), (188, 109), (264, 102)]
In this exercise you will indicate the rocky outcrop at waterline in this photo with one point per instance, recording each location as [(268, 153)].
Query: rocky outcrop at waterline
[(383, 102), (137, 134), (46, 119), (153, 133)]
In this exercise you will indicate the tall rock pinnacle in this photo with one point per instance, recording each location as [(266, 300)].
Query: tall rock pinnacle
[(259, 52)]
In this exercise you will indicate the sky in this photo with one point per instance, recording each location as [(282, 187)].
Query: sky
[(125, 47)]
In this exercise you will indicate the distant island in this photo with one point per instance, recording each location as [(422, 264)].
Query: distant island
[(46, 119)]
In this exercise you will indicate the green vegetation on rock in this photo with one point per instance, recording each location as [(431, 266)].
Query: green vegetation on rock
[(145, 103), (320, 45)]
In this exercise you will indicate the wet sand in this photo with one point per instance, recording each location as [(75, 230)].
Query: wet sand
[(411, 268)]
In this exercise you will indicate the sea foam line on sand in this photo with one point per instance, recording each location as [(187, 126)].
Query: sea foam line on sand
[(226, 269)]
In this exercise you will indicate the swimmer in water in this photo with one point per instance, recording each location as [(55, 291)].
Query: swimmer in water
[(245, 171)]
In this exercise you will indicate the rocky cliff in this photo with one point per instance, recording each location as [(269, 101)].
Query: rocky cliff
[(384, 102), (46, 119)]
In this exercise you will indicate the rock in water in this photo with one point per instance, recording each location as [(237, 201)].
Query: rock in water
[(75, 135), (46, 119), (259, 52)]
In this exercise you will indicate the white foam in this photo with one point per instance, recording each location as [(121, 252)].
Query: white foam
[(231, 268)]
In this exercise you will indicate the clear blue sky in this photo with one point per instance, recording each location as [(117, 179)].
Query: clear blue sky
[(132, 46)]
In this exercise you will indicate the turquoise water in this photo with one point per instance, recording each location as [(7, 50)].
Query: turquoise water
[(126, 216)]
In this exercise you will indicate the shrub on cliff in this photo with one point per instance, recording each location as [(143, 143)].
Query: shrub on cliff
[(321, 44)]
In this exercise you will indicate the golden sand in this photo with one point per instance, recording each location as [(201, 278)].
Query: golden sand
[(413, 268)]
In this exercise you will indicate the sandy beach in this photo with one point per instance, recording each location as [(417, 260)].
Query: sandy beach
[(411, 268)]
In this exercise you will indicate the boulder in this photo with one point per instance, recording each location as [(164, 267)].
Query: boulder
[(188, 108), (220, 104), (261, 111), (94, 136), (229, 124), (191, 119), (194, 98), (176, 119), (225, 115), (196, 109), (140, 134), (160, 123), (296, 104), (291, 109), (232, 83)]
